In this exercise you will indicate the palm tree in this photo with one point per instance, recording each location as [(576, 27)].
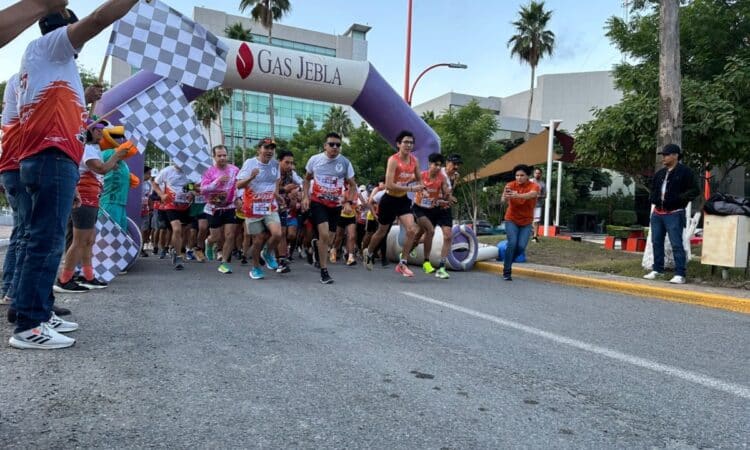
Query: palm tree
[(240, 33), (213, 100), (266, 12), (337, 119), (205, 115), (531, 42)]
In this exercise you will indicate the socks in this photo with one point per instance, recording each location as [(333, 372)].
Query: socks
[(88, 272), (66, 275)]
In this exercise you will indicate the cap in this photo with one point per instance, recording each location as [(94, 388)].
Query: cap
[(56, 20), (362, 188), (671, 149), (266, 141), (99, 124), (454, 158)]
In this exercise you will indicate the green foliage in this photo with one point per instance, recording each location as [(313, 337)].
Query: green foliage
[(306, 142), (259, 10), (619, 231), (238, 32), (369, 153), (623, 217), (337, 120)]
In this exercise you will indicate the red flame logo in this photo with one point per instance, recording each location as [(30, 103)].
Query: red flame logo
[(245, 61)]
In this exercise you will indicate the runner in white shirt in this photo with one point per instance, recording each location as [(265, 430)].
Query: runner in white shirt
[(328, 171), (260, 177), (171, 187)]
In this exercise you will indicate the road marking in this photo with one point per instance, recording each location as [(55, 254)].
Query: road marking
[(693, 377)]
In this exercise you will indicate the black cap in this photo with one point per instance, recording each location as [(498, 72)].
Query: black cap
[(454, 158), (671, 149), (56, 20)]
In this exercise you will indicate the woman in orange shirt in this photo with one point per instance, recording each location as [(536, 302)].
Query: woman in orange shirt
[(521, 196)]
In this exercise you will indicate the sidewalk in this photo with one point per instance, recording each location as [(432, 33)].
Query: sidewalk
[(5, 234), (736, 300)]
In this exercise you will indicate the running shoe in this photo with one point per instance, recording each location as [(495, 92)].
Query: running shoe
[(6, 300), (367, 257), (256, 273), (332, 255), (352, 260), (243, 261), (60, 325), (190, 255), (507, 278), (404, 270), (178, 263), (42, 337), (225, 268), (210, 254), (442, 274), (270, 259), (199, 255), (144, 253), (427, 267), (163, 254), (69, 287), (94, 283), (283, 268), (325, 277)]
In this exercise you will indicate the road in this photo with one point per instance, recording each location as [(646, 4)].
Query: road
[(200, 359)]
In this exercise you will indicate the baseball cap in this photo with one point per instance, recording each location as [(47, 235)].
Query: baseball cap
[(266, 141), (99, 124), (454, 158), (671, 149), (53, 21)]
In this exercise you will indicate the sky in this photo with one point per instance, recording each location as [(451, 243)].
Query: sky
[(474, 33)]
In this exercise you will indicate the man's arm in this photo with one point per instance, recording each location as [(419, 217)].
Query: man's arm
[(82, 31), (306, 191), (19, 16)]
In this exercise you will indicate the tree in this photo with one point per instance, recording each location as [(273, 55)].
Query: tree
[(670, 93), (531, 42), (337, 119), (715, 66), (369, 154), (306, 141), (238, 32), (468, 132), (205, 114), (266, 12)]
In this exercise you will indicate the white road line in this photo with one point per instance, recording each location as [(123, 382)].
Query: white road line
[(693, 377)]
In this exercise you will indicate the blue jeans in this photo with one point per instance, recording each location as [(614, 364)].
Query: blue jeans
[(518, 238), (17, 198), (50, 179), (669, 224)]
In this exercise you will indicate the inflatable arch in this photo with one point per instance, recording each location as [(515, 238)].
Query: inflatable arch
[(463, 254), (262, 68)]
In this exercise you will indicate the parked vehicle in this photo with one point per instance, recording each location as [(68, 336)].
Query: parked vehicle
[(483, 227)]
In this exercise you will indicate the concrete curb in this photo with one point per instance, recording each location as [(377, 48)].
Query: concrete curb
[(695, 297)]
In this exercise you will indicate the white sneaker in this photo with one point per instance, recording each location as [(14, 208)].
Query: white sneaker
[(678, 279), (652, 275), (42, 337), (60, 325)]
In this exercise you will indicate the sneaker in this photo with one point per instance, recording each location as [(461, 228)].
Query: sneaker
[(190, 255), (653, 275), (70, 287), (178, 263), (93, 284), (442, 274), (210, 254), (427, 267), (42, 337), (325, 278), (535, 239), (224, 268), (243, 261), (144, 254), (367, 257), (163, 254), (256, 273), (403, 270), (270, 259), (507, 278), (351, 261), (200, 256), (60, 325), (283, 268), (6, 300), (156, 251), (678, 279), (332, 255), (60, 311)]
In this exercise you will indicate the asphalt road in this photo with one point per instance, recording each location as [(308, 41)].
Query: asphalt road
[(200, 359)]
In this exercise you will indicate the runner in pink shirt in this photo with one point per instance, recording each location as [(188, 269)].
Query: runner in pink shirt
[(218, 187)]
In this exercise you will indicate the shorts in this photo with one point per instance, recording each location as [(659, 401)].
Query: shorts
[(438, 217), (260, 224), (162, 221), (320, 213), (292, 222), (196, 209), (537, 214), (283, 218), (346, 221), (371, 226), (194, 224), (84, 217), (222, 217), (392, 207), (148, 222), (183, 216)]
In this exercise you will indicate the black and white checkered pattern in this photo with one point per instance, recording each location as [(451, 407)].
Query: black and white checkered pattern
[(154, 37), (113, 249), (161, 114)]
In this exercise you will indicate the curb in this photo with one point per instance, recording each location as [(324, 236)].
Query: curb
[(711, 300)]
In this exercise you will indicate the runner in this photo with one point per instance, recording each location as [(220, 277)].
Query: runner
[(148, 227), (400, 174), (289, 188), (328, 172), (346, 227), (260, 178), (430, 213), (171, 185), (198, 230), (218, 187)]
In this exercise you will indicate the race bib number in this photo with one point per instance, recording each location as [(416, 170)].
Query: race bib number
[(261, 208), (426, 202)]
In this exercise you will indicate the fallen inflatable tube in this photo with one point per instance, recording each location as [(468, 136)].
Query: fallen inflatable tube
[(461, 257)]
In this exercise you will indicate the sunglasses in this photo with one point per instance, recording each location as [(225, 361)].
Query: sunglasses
[(333, 144)]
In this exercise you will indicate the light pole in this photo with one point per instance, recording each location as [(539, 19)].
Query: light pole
[(553, 124), (449, 65)]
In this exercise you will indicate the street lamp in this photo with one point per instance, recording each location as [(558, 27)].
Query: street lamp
[(449, 65)]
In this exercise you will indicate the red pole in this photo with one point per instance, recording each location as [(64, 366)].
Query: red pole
[(408, 51)]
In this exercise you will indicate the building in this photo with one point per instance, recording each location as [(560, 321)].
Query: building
[(256, 125)]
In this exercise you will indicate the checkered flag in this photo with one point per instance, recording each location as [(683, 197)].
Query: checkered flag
[(161, 114), (113, 249), (154, 37)]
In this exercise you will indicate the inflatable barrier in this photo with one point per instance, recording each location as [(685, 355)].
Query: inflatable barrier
[(463, 254)]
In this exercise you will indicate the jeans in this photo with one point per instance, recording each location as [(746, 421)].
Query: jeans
[(49, 178), (669, 224), (518, 238), (17, 197)]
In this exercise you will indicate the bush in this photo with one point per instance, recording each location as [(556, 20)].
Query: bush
[(621, 232), (624, 217)]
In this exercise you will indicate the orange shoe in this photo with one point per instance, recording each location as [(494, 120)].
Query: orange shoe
[(403, 270)]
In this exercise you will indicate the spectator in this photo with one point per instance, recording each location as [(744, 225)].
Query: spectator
[(521, 196)]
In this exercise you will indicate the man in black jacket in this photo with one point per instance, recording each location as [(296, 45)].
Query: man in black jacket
[(672, 188)]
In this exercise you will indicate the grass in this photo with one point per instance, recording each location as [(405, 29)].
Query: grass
[(593, 257)]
